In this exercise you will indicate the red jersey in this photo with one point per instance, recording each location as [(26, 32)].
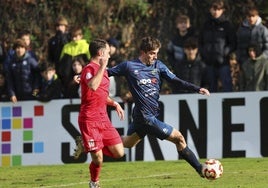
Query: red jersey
[(93, 103)]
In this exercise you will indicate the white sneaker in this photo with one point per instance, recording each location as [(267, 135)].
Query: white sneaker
[(79, 147), (93, 184)]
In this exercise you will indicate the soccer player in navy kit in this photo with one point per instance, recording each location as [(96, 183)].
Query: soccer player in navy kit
[(144, 80)]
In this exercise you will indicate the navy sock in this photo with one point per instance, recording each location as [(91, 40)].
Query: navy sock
[(190, 157)]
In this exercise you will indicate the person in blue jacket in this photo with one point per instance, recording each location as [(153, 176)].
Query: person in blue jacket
[(23, 75)]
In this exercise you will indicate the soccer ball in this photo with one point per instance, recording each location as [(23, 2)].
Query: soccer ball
[(212, 169)]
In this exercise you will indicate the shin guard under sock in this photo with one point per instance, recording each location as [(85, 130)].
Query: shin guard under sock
[(190, 157), (94, 172)]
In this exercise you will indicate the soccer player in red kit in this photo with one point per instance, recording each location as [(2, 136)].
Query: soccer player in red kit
[(98, 135)]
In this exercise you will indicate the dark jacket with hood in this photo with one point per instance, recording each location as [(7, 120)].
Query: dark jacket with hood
[(51, 89), (190, 71), (217, 40), (175, 50)]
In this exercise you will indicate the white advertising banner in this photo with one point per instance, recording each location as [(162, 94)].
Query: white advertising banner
[(222, 125)]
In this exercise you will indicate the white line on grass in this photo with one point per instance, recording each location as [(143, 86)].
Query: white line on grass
[(105, 180)]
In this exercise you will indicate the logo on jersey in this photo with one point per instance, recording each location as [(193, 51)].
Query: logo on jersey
[(165, 130), (88, 75), (154, 71), (154, 80), (91, 145), (147, 81)]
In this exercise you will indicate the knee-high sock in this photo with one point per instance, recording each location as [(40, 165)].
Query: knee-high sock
[(94, 171), (190, 157)]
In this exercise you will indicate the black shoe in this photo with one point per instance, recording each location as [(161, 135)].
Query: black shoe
[(200, 172)]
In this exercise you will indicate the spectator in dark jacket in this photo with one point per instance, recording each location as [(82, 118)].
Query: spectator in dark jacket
[(56, 43), (217, 41), (191, 68), (51, 87), (251, 30), (23, 76), (184, 30), (255, 70)]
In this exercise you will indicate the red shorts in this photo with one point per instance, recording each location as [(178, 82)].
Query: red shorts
[(97, 135)]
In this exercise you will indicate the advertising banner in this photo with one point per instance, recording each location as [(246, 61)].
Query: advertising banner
[(219, 126)]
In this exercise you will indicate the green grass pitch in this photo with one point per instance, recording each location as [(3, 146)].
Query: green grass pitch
[(237, 173)]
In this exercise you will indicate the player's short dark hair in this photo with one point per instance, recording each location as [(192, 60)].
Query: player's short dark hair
[(149, 43), (96, 45)]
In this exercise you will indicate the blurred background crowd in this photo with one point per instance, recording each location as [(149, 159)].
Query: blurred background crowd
[(218, 44)]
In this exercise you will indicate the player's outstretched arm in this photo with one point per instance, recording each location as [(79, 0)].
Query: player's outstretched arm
[(190, 86), (118, 108), (204, 91)]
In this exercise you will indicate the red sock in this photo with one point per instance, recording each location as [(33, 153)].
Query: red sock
[(94, 171)]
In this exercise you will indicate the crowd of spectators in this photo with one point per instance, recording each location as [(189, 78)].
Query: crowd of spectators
[(234, 59), (216, 56), (23, 76)]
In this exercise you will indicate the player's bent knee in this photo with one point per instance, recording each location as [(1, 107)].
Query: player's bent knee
[(119, 154), (177, 138)]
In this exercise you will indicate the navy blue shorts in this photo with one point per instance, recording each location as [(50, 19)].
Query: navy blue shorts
[(151, 126)]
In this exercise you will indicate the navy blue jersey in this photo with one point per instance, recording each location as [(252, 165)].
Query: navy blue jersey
[(144, 84)]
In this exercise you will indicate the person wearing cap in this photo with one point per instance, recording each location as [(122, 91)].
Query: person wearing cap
[(23, 76), (56, 43)]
